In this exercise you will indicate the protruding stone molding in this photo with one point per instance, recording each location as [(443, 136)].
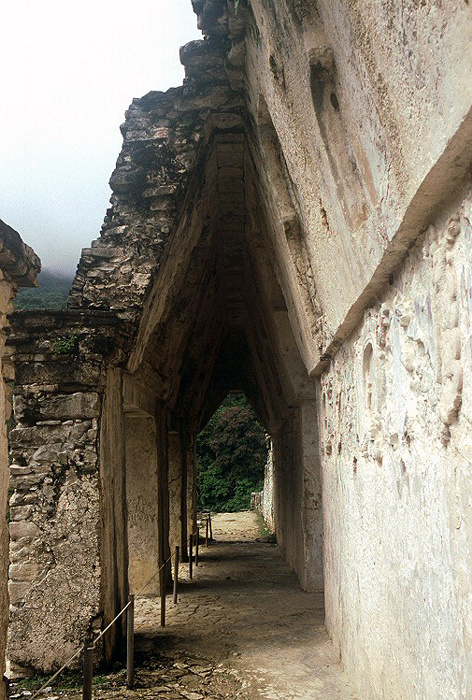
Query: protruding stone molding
[(18, 261)]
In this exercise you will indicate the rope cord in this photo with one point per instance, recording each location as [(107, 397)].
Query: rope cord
[(100, 635)]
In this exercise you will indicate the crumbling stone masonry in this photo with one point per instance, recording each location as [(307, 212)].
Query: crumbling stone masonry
[(19, 267), (292, 222)]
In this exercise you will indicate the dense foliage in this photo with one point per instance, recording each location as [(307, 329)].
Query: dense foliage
[(231, 454), (51, 293)]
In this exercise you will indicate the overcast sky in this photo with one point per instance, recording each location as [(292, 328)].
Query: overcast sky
[(68, 72)]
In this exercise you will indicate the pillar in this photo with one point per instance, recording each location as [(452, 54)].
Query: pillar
[(142, 502), (175, 489), (191, 485), (163, 506), (114, 538), (297, 495)]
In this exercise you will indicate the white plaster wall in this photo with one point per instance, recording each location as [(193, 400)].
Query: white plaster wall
[(397, 479), (142, 503)]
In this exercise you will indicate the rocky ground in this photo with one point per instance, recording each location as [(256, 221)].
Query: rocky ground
[(241, 629)]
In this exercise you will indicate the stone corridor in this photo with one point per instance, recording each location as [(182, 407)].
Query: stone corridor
[(294, 222), (245, 612)]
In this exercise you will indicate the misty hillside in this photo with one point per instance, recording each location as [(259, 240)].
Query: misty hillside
[(51, 293)]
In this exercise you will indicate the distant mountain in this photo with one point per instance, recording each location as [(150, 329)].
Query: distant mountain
[(51, 293)]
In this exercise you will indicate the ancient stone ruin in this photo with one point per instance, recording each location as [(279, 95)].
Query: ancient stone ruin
[(293, 222)]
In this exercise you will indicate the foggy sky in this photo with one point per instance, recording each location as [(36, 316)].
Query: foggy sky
[(68, 73)]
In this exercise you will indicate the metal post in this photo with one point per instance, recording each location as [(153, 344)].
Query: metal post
[(88, 672), (176, 573), (130, 644), (162, 581), (197, 546), (211, 530), (206, 532), (190, 557)]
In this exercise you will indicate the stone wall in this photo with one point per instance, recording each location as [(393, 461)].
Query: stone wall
[(18, 268), (396, 415), (66, 572)]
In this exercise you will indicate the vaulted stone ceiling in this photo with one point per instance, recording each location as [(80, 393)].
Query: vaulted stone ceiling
[(216, 332)]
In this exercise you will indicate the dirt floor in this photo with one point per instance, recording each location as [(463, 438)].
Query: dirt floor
[(241, 629)]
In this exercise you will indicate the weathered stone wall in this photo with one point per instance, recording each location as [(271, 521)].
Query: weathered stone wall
[(55, 523), (18, 267), (66, 570), (397, 410), (4, 473)]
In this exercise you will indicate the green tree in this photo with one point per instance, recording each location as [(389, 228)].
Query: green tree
[(231, 454), (51, 293)]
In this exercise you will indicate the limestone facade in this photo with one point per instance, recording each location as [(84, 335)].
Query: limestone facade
[(19, 267), (292, 222)]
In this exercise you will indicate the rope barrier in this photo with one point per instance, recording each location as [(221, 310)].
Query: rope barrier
[(101, 634)]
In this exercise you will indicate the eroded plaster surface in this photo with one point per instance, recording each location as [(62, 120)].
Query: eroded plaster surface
[(395, 421)]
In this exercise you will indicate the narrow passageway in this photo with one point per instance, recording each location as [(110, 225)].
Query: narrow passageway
[(244, 614)]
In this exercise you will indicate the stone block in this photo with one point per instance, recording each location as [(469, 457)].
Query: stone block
[(78, 405), (26, 571), (23, 529), (20, 512), (18, 591)]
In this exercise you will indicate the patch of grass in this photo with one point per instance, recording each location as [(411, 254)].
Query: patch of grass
[(68, 680)]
